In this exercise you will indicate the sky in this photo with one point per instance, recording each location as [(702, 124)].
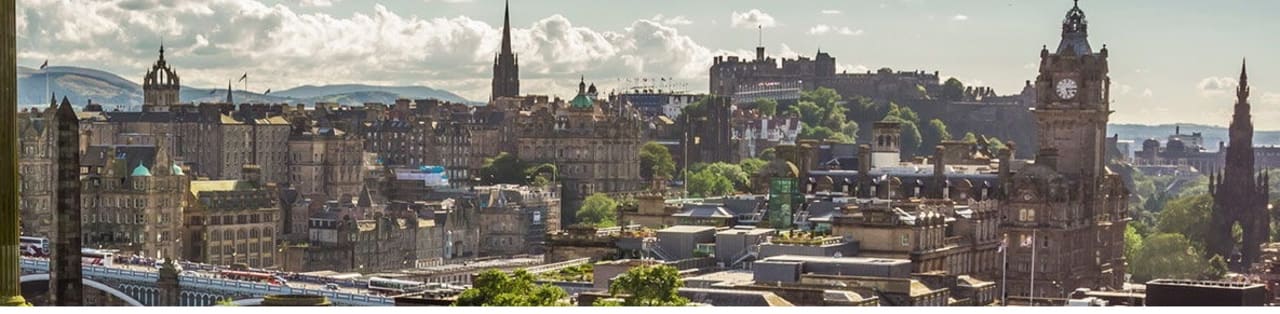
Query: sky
[(1171, 60)]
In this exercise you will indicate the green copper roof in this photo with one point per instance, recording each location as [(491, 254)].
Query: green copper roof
[(141, 171), (581, 102), (177, 171)]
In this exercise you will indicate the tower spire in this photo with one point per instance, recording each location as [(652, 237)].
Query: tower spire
[(229, 101), (506, 28)]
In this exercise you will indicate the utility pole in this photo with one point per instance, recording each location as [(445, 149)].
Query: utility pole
[(10, 272)]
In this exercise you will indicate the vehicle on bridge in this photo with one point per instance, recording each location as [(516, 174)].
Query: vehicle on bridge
[(387, 286), (97, 257), (253, 276), (34, 246)]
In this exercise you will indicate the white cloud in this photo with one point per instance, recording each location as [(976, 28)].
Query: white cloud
[(1217, 86), (1147, 93), (821, 29), (851, 68), (675, 20), (960, 17), (317, 3), (832, 12), (211, 41), (752, 19)]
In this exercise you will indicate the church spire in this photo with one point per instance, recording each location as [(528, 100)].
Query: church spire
[(1075, 32), (1242, 91), (506, 29), (229, 101)]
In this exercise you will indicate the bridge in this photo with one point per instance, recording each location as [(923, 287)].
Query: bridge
[(199, 291)]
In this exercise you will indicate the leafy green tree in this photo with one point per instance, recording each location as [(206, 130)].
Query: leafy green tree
[(599, 210), (649, 286), (752, 166), (655, 160), (496, 288), (733, 172), (809, 113), (1167, 255), (502, 169), (1132, 242), (1216, 268), (953, 90), (995, 144), (767, 107), (936, 133), (707, 184), (821, 133), (850, 131), (1187, 216), (969, 137)]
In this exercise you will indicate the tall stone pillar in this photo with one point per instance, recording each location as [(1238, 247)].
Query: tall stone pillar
[(170, 291), (64, 275), (10, 285)]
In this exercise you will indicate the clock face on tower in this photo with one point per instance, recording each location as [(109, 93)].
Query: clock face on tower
[(1067, 88)]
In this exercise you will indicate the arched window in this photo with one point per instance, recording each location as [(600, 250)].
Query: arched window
[(228, 236)]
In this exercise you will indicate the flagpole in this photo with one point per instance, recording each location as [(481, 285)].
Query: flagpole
[(1033, 267), (1004, 271)]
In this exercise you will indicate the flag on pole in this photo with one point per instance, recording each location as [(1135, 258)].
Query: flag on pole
[(45, 64), (211, 92), (267, 92), (1004, 244), (244, 77)]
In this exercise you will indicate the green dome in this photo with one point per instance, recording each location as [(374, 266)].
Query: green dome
[(177, 171), (581, 102), (141, 171)]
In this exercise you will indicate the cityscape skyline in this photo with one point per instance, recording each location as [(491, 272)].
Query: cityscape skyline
[(450, 44)]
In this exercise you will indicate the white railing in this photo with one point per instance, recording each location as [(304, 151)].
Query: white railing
[(215, 284), (557, 266)]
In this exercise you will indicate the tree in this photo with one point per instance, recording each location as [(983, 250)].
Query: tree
[(970, 138), (1187, 216), (767, 107), (936, 133), (733, 172), (1132, 242), (1215, 269), (1167, 255), (752, 166), (599, 210), (502, 169), (655, 160), (496, 288), (706, 184), (995, 145), (649, 286), (953, 90)]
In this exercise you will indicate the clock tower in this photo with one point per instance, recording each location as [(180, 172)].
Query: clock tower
[(1073, 100), (1065, 214)]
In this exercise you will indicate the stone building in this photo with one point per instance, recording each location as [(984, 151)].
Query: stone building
[(378, 241), (160, 87), (325, 161), (1067, 211), (232, 221), (593, 144), (36, 165), (506, 66), (133, 197), (516, 219), (1240, 192), (709, 136)]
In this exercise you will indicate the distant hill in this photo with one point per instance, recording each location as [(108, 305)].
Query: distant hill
[(1212, 134), (80, 85)]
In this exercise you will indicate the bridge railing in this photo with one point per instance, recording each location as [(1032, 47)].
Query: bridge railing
[(217, 284)]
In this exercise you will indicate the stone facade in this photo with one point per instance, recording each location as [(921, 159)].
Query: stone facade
[(133, 198), (325, 161), (160, 87), (594, 146), (36, 165), (516, 219), (232, 221), (1067, 211)]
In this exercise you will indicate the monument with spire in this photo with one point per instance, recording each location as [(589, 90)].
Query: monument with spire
[(506, 67), (1239, 191)]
